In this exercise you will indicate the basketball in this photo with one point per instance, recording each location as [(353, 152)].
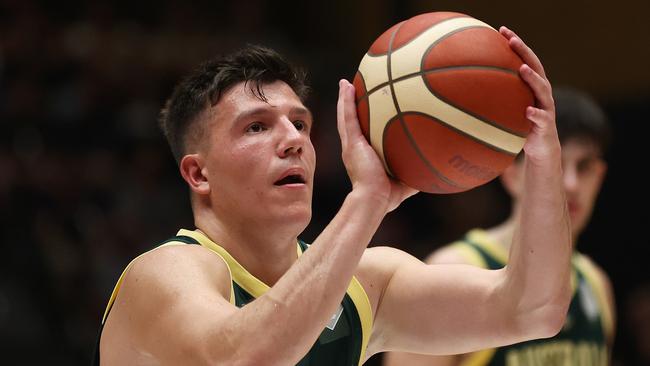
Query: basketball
[(440, 99)]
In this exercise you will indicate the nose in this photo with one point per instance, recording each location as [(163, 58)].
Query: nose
[(570, 178), (291, 140)]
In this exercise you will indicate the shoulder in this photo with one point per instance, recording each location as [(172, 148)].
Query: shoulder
[(167, 267), (163, 291), (167, 274), (588, 265), (462, 252)]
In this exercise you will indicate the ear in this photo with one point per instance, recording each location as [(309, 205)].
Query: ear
[(512, 178), (191, 168)]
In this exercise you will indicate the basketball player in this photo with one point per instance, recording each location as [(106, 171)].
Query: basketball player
[(588, 334), (241, 289)]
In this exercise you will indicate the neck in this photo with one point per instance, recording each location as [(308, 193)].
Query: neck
[(264, 249)]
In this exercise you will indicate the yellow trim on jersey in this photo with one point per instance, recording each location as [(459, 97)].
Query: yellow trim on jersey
[(592, 277), (257, 288), (240, 275), (478, 358), (495, 250), (470, 254), (362, 303), (118, 285)]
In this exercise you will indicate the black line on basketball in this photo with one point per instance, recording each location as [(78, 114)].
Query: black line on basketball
[(417, 150), (403, 125)]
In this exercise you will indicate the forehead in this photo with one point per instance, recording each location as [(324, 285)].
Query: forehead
[(240, 99), (580, 148)]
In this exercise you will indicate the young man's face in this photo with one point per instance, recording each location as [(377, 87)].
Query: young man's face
[(584, 171), (259, 158)]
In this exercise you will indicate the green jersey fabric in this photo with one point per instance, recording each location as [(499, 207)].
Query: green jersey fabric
[(583, 339), (342, 342)]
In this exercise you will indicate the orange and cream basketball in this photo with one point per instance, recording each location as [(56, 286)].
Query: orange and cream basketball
[(440, 99)]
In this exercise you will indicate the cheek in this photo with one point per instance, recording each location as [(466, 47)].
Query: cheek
[(589, 191), (253, 164), (239, 165), (310, 155)]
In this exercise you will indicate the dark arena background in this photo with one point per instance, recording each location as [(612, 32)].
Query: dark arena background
[(87, 181)]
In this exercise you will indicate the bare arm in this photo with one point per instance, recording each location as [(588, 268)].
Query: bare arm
[(444, 255), (175, 308), (449, 309)]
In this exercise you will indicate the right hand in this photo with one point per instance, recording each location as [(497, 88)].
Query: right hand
[(364, 167)]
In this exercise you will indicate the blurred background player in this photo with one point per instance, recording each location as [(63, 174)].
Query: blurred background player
[(588, 334)]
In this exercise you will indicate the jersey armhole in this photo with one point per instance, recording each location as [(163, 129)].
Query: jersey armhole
[(232, 287), (362, 303)]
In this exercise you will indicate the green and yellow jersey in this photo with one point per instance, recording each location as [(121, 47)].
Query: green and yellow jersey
[(342, 342), (582, 340)]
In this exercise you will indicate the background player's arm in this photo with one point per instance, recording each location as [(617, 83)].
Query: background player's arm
[(456, 308), (174, 307)]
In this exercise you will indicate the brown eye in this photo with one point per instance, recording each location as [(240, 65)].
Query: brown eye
[(301, 125), (255, 127)]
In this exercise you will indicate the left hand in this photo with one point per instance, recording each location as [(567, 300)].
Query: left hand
[(542, 143)]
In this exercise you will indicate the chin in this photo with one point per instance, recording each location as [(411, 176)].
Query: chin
[(296, 213), (303, 215)]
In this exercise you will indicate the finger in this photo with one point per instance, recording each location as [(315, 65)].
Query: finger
[(350, 113), (350, 119), (540, 117), (540, 87), (340, 114), (526, 53), (506, 32)]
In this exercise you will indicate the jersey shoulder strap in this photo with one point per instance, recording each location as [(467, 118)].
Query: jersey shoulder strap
[(361, 302), (480, 250), (594, 278)]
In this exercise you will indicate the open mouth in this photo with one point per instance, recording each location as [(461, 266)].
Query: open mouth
[(290, 179)]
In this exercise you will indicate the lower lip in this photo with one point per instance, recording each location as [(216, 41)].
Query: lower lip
[(293, 185)]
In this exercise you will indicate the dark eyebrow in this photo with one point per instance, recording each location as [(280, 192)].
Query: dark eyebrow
[(252, 113), (301, 111), (261, 111)]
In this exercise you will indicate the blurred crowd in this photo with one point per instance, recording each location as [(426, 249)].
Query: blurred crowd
[(87, 181)]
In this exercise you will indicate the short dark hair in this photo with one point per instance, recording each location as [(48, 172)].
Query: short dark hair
[(254, 65), (579, 117)]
